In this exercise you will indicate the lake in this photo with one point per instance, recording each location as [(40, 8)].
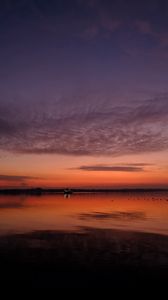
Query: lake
[(131, 211), (85, 240)]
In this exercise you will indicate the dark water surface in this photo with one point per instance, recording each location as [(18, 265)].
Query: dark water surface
[(87, 240)]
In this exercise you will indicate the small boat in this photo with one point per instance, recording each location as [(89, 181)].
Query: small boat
[(67, 191)]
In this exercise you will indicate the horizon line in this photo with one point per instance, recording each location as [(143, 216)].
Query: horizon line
[(45, 189)]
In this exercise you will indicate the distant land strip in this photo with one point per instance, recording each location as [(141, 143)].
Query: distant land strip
[(41, 191)]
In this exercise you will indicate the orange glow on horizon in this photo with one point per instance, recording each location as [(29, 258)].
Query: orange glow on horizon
[(98, 179), (62, 171)]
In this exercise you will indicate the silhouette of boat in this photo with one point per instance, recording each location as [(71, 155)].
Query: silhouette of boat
[(67, 191)]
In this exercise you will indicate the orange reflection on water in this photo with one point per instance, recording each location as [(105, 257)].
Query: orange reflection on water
[(145, 212)]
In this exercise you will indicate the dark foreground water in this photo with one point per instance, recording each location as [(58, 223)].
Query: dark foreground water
[(87, 240)]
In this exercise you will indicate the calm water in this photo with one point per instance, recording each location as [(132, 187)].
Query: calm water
[(145, 212)]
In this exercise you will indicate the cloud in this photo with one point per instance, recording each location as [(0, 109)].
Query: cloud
[(144, 27), (15, 178), (5, 127), (91, 19), (81, 128), (106, 168)]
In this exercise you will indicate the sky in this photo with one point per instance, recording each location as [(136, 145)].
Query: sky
[(84, 93)]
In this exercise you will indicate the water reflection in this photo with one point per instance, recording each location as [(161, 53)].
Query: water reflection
[(145, 212), (66, 195), (120, 215)]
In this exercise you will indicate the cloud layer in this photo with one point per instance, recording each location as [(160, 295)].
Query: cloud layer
[(82, 129), (128, 168), (92, 19), (16, 180)]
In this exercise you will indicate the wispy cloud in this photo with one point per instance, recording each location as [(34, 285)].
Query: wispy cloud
[(114, 168), (12, 178), (81, 129), (144, 27), (159, 35), (92, 19)]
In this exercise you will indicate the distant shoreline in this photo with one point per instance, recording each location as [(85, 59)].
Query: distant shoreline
[(41, 191)]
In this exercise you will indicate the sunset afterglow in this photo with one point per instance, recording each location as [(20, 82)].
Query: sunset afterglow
[(84, 144), (84, 99)]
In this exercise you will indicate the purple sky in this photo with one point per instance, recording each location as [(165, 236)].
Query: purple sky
[(83, 84)]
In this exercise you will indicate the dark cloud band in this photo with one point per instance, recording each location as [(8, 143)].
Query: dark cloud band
[(111, 168), (14, 178)]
